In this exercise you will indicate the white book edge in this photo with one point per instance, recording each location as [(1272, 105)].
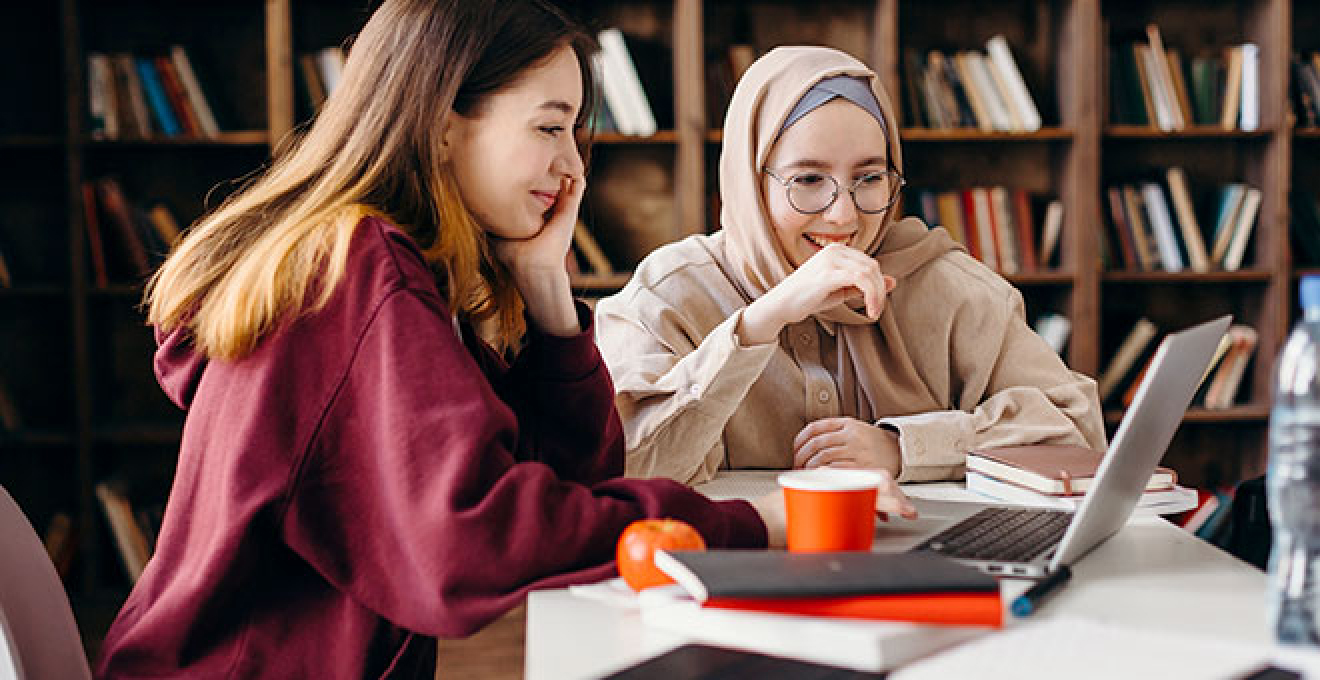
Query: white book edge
[(611, 97), (1242, 228), (993, 99), (1158, 94), (100, 97), (616, 51), (330, 63), (1250, 98), (1165, 240), (985, 232), (1054, 329), (1008, 474), (193, 89), (1002, 58), (856, 644), (1005, 229), (1164, 72), (1149, 504)]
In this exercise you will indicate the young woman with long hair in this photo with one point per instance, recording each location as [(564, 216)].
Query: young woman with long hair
[(360, 471)]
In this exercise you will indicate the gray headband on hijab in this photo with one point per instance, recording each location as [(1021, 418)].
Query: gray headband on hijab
[(855, 90)]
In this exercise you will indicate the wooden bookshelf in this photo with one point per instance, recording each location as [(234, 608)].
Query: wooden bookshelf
[(80, 355)]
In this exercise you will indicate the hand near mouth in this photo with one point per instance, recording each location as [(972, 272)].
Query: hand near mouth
[(836, 274)]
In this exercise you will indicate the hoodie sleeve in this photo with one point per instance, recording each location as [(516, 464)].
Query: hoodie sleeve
[(411, 497)]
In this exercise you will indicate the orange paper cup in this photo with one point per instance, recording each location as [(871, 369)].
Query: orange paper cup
[(829, 509)]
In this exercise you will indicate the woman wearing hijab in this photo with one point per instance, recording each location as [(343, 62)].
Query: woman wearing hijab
[(815, 328)]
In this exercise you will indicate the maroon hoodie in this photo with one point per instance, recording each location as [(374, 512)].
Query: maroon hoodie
[(367, 480)]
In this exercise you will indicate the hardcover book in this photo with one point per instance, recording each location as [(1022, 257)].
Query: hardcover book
[(1055, 470), (914, 587)]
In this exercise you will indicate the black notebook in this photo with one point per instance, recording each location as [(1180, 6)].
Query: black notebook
[(701, 662)]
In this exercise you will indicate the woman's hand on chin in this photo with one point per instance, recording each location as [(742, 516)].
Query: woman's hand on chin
[(537, 264), (834, 275)]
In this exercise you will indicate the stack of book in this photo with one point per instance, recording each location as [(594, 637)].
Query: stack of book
[(983, 90), (138, 97), (1060, 477), (868, 611), (1153, 85), (996, 224), (1154, 225)]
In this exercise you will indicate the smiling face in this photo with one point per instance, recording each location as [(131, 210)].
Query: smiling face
[(838, 139), (511, 156)]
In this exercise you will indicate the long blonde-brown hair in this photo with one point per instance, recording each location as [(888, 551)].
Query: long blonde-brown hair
[(256, 260)]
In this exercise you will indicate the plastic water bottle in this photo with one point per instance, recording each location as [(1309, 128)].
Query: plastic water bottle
[(1293, 480)]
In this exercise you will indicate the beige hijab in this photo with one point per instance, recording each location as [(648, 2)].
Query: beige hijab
[(875, 372)]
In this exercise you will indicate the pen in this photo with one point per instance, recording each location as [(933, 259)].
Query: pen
[(1030, 601)]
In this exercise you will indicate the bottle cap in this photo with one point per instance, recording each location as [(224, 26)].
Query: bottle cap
[(1309, 291)]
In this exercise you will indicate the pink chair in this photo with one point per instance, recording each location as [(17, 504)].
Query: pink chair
[(38, 636)]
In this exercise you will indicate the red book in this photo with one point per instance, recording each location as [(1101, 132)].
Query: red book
[(95, 250), (178, 97), (913, 587), (1026, 230)]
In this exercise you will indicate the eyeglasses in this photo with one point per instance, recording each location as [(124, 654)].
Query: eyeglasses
[(812, 193)]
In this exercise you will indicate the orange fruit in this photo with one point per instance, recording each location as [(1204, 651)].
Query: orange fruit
[(638, 543)]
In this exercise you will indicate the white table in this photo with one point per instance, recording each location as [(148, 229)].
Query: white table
[(1152, 575)]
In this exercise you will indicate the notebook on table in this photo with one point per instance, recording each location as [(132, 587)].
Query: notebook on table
[(1031, 542)]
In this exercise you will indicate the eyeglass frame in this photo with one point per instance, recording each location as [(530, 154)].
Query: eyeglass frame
[(852, 191)]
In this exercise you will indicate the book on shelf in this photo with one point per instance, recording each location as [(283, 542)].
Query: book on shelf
[(911, 587), (968, 88), (1305, 89), (1232, 103), (622, 86), (115, 211), (130, 541), (9, 418), (1249, 115), (1053, 470), (162, 112), (1169, 501), (1051, 229), (586, 244), (6, 276), (61, 541), (996, 225), (1243, 224), (309, 77), (198, 104), (1054, 330), (1151, 84), (1126, 357), (1161, 225), (1188, 226), (329, 67), (1227, 379), (95, 249), (133, 96)]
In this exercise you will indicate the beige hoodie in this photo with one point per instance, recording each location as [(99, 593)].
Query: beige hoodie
[(950, 364)]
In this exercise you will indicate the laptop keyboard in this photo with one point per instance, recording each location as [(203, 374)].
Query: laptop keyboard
[(998, 534)]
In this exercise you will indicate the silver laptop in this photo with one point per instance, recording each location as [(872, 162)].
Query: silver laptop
[(1030, 542)]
